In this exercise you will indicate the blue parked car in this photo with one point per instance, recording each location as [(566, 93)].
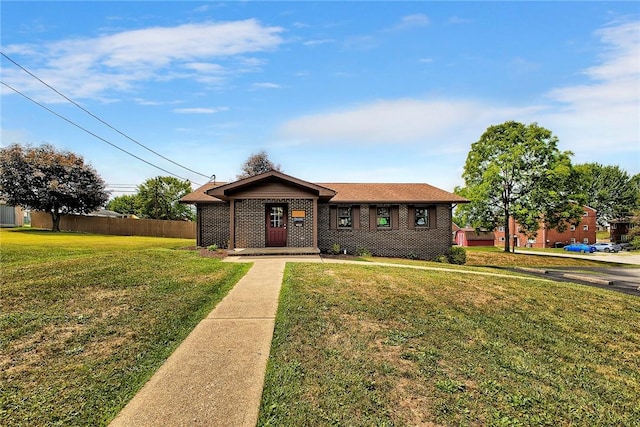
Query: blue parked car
[(579, 247)]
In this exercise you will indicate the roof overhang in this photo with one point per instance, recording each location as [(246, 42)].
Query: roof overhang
[(227, 191)]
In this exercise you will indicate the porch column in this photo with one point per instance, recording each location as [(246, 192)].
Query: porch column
[(315, 223), (232, 223)]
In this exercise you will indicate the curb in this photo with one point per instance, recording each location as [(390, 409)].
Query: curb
[(569, 276)]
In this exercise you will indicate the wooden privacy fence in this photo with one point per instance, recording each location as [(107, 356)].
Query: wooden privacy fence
[(117, 226)]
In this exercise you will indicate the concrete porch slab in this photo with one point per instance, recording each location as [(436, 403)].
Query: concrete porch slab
[(273, 251)]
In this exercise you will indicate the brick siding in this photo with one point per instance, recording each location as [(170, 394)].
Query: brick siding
[(213, 225), (250, 217), (250, 223), (250, 229), (424, 243)]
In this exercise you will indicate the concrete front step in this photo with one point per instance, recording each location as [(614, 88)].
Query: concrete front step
[(273, 251)]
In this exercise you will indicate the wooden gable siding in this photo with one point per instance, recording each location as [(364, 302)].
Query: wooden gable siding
[(272, 190)]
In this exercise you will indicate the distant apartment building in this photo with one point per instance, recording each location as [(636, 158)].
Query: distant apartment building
[(583, 232)]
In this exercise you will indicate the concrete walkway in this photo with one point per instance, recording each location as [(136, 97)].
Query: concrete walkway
[(215, 377)]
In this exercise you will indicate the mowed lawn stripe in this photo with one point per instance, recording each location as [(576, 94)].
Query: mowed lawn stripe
[(366, 345), (81, 334)]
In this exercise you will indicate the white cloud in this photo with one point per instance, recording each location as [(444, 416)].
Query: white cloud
[(266, 85), (318, 42), (411, 21), (93, 67), (200, 110), (605, 113), (402, 121), (601, 115)]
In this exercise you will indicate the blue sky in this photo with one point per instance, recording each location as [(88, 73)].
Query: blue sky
[(333, 91)]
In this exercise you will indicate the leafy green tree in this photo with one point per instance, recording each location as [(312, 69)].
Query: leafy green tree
[(125, 204), (45, 179), (256, 164), (516, 171), (609, 190), (158, 198)]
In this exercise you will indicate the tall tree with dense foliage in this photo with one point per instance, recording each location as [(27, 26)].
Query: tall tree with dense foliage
[(125, 204), (516, 171), (45, 179), (158, 198), (256, 164), (609, 190)]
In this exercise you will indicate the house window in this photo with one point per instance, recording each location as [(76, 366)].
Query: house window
[(422, 217), (573, 240), (502, 238), (277, 216), (585, 227), (573, 228), (501, 228), (585, 213), (344, 218), (585, 241), (383, 217)]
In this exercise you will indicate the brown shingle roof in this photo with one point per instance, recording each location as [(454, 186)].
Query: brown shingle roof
[(200, 195), (355, 193), (390, 193)]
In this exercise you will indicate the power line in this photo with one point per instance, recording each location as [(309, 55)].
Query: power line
[(92, 134), (98, 118)]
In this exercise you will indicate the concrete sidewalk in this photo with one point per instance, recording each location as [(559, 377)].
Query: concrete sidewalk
[(215, 377)]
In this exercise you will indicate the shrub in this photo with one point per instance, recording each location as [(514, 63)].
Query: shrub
[(363, 252), (441, 258), (412, 255), (457, 255), (212, 248), (335, 249), (635, 243)]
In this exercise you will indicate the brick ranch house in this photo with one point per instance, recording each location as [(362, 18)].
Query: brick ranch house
[(277, 210), (583, 232)]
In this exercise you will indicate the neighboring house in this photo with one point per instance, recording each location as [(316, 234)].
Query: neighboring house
[(471, 237), (584, 232), (11, 216), (105, 213), (619, 230), (277, 210)]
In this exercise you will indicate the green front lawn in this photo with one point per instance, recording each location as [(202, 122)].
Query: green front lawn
[(363, 345), (85, 320)]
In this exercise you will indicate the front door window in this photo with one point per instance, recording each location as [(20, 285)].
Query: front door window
[(277, 216)]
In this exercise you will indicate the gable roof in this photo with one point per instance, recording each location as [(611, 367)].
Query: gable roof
[(223, 191), (213, 192)]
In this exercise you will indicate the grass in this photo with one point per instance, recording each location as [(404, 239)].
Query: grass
[(489, 258), (365, 345), (87, 319)]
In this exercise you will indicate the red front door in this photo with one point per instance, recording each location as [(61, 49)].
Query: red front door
[(276, 217)]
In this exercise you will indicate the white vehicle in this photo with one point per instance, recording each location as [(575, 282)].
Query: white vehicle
[(607, 247)]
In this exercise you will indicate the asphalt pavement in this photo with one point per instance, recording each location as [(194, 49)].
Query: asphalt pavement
[(622, 279)]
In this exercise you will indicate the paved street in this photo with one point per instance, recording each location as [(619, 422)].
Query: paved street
[(622, 279)]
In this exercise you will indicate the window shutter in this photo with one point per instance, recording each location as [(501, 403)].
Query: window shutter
[(411, 217), (333, 217), (433, 220), (355, 217), (372, 217), (395, 217)]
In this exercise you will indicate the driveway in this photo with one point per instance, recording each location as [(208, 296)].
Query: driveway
[(623, 257), (622, 279)]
